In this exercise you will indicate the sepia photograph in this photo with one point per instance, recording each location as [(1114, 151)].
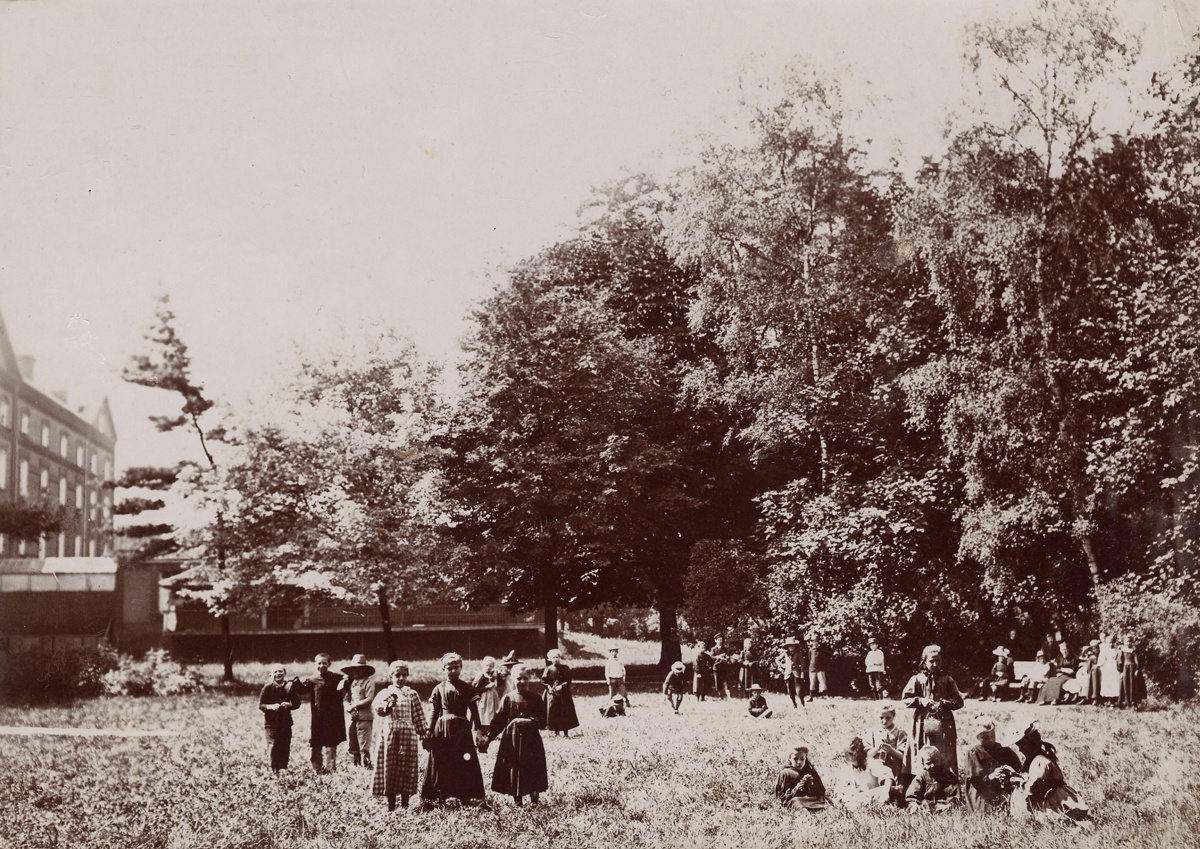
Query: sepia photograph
[(593, 423)]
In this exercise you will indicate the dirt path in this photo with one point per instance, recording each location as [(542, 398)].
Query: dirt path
[(37, 731)]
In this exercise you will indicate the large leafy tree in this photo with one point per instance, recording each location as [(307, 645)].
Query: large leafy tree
[(1014, 229), (329, 489), (551, 463)]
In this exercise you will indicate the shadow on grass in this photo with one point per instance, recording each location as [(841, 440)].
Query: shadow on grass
[(576, 650)]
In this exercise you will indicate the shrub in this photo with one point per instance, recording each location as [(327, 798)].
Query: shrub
[(57, 674), (156, 675)]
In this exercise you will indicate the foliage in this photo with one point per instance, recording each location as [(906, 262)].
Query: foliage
[(58, 674), (31, 520), (725, 590), (155, 675)]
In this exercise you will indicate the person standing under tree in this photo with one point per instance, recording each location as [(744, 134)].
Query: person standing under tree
[(360, 693), (397, 761), (702, 679), (453, 770), (560, 704), (614, 673), (876, 669), (791, 667), (818, 660), (521, 758), (277, 701), (933, 697), (325, 691)]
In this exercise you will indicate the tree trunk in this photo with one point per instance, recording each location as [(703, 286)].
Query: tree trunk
[(551, 624), (385, 619), (1093, 566), (668, 634), (227, 641)]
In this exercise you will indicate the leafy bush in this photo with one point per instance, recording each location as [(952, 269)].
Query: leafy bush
[(156, 675), (64, 673)]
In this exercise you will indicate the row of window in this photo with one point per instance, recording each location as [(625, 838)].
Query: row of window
[(58, 546), (95, 504), (64, 440)]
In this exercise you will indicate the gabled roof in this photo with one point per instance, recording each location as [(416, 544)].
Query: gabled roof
[(8, 357)]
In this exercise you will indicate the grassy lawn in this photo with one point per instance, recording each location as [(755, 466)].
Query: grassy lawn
[(703, 778)]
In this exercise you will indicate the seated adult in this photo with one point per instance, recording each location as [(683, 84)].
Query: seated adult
[(995, 687), (1061, 671), (1031, 684), (992, 769), (798, 785)]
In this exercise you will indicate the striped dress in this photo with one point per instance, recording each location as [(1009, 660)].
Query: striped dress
[(397, 753)]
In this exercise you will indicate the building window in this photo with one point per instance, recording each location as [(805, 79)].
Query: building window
[(42, 547), (5, 412), (79, 456), (3, 543), (78, 546), (92, 548), (78, 496), (93, 464), (21, 548), (45, 435), (64, 446), (3, 469), (108, 470), (24, 424), (62, 545), (23, 478), (45, 481), (62, 491)]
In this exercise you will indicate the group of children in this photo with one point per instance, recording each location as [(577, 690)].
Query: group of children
[(1024, 778)]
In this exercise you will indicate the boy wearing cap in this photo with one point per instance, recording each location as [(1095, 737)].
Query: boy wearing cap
[(614, 673), (675, 685), (359, 694), (757, 706)]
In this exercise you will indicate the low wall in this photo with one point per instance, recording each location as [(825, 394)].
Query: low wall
[(410, 644)]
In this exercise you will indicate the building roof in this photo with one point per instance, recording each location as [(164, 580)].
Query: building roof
[(57, 566)]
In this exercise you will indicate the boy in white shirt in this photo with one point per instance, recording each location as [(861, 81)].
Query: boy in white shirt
[(875, 669), (614, 671)]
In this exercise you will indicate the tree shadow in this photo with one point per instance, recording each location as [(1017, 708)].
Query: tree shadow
[(576, 650)]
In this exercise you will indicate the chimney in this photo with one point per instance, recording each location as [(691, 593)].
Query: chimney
[(25, 364)]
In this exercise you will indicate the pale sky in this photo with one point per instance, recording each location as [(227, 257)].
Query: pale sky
[(280, 167)]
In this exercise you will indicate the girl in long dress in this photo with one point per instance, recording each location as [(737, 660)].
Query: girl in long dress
[(1043, 788), (991, 769), (396, 756), (1127, 662), (1110, 675), (521, 758), (933, 697), (453, 771), (560, 705), (488, 686)]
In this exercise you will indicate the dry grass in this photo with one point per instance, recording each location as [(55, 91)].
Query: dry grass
[(651, 779)]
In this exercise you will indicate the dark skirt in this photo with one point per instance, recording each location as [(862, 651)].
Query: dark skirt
[(453, 771), (520, 760), (560, 710)]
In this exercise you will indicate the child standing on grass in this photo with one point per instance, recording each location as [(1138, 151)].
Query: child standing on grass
[(798, 785), (614, 673), (876, 669), (360, 693), (675, 685), (560, 704), (277, 701), (403, 725), (521, 758), (453, 771), (488, 685), (703, 668), (758, 703)]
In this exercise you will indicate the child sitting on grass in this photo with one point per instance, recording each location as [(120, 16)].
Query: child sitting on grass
[(675, 685), (614, 708), (935, 787), (758, 704), (798, 785)]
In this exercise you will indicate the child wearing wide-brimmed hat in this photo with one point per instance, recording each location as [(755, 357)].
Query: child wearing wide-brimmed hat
[(359, 693), (757, 707), (675, 685)]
